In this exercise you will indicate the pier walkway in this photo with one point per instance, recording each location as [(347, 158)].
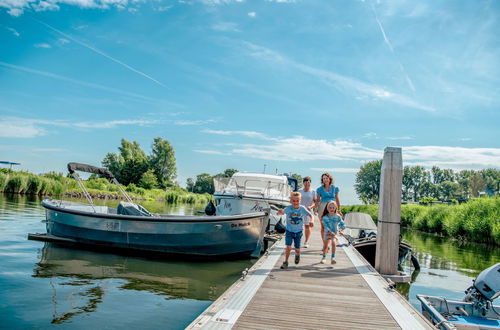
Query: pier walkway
[(311, 295)]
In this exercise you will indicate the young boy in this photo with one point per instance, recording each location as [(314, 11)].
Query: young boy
[(295, 218)]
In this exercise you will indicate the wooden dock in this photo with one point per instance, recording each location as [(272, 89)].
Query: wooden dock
[(311, 295)]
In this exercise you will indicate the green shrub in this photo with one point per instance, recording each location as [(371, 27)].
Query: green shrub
[(3, 181), (409, 213), (98, 183), (16, 184), (34, 185)]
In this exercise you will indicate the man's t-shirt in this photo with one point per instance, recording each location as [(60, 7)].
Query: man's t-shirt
[(295, 218), (308, 197)]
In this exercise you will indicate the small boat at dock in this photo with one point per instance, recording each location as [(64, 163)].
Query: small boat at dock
[(475, 311), (130, 226), (361, 231), (254, 192)]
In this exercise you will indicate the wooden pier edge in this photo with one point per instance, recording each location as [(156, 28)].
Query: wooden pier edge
[(227, 309)]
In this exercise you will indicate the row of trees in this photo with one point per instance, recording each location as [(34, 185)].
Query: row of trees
[(132, 165), (204, 182), (421, 184)]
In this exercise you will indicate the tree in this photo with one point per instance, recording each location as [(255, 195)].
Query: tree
[(298, 177), (449, 190), (148, 180), (129, 165), (228, 173), (413, 178), (204, 184), (368, 181), (162, 162), (190, 184)]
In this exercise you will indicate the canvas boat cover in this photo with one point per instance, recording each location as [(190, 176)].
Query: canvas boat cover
[(358, 220), (255, 185), (72, 167)]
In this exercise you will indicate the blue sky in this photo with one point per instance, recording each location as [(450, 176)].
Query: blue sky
[(292, 86)]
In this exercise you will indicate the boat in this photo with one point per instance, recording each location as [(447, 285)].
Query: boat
[(254, 192), (131, 226), (361, 232), (475, 311)]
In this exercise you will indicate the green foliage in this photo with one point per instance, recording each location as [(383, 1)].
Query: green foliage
[(409, 213), (162, 162), (371, 209), (16, 183), (204, 184), (298, 177), (97, 183), (3, 180), (148, 180), (129, 165), (34, 185), (368, 182)]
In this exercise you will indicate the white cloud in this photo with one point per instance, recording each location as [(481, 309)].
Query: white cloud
[(340, 82), (193, 122), (299, 148), (212, 152), (252, 14), (14, 32), (244, 133), (43, 45), (16, 127), (226, 26), (63, 41), (17, 7), (336, 170), (399, 138)]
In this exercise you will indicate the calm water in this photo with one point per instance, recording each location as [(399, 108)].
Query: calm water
[(44, 285)]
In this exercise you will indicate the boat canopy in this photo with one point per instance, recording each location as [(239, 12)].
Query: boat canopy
[(358, 220), (254, 185), (72, 167)]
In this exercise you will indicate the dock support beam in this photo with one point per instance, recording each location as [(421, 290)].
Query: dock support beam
[(389, 212)]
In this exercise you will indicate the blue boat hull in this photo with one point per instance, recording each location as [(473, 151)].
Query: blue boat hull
[(191, 235)]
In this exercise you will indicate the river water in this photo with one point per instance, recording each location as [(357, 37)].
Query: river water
[(46, 286)]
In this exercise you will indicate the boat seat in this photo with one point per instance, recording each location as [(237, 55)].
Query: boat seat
[(127, 208)]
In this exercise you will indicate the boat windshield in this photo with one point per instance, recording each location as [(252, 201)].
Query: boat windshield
[(251, 185)]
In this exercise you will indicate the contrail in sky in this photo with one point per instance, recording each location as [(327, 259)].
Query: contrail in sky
[(75, 81), (100, 53), (408, 80)]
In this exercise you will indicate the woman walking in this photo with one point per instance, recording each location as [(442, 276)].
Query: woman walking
[(325, 193)]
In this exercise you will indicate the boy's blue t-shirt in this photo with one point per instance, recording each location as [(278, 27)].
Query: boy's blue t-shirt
[(329, 195), (295, 218), (333, 223)]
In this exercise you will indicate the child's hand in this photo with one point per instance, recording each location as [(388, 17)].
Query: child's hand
[(280, 212)]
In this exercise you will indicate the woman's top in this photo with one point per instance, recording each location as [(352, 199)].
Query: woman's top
[(329, 195), (333, 223), (295, 218)]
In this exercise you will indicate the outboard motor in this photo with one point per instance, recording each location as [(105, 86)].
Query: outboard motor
[(485, 288), (210, 208)]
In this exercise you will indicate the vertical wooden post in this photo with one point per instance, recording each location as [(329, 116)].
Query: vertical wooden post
[(389, 212)]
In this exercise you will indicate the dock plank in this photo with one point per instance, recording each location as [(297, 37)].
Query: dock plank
[(311, 295)]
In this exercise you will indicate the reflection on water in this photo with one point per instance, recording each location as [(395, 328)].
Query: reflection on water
[(52, 286), (85, 270), (447, 266)]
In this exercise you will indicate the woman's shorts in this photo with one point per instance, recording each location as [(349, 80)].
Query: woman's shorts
[(310, 219), (295, 237)]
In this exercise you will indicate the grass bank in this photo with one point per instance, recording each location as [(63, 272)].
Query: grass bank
[(55, 184), (477, 220)]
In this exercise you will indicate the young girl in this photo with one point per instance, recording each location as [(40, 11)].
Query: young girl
[(325, 193), (332, 222)]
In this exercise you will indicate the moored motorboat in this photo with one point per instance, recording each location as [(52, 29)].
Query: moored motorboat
[(130, 226), (475, 311), (253, 192), (361, 232)]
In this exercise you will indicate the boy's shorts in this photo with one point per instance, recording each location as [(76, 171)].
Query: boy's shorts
[(295, 237), (329, 235)]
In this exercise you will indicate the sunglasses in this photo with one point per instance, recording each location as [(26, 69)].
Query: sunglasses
[(307, 180)]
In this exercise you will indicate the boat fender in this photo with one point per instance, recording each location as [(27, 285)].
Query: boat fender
[(279, 227), (210, 208), (415, 262)]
